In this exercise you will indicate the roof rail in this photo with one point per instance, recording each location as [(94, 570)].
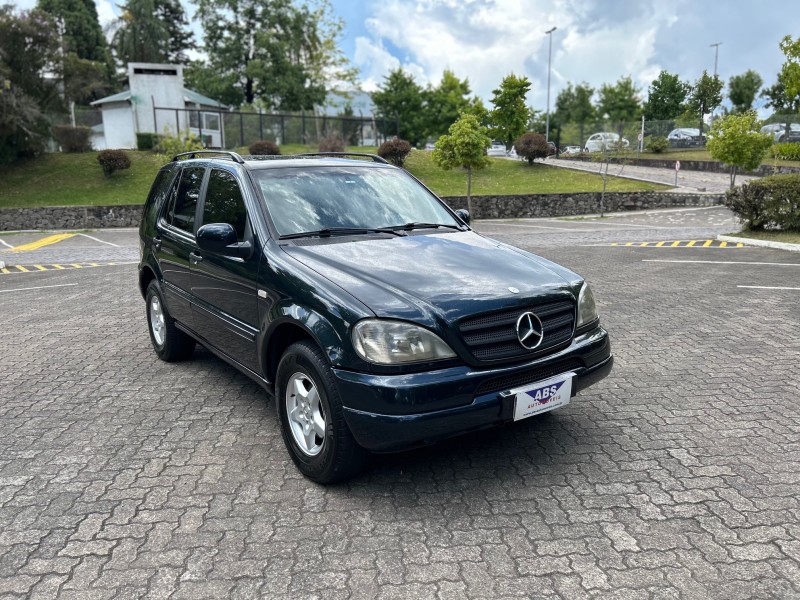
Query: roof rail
[(224, 154), (373, 157)]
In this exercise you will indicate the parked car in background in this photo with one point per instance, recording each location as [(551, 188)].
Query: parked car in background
[(429, 145), (686, 137), (605, 140), (783, 132), (571, 150), (497, 148), (551, 148)]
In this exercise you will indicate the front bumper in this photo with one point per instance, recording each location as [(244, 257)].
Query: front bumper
[(387, 413)]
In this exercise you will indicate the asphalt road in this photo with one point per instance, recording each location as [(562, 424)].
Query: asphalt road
[(676, 477)]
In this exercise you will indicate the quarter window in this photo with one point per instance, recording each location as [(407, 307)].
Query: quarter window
[(224, 202)]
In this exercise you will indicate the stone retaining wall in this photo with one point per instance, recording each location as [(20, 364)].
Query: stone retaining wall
[(708, 166), (564, 205), (484, 207)]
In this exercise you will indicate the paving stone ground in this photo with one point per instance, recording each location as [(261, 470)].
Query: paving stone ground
[(676, 477)]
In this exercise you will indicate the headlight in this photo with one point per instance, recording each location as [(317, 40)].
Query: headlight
[(587, 311), (397, 342)]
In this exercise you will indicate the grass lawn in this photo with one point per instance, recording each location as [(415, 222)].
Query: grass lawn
[(702, 154), (789, 237), (77, 179)]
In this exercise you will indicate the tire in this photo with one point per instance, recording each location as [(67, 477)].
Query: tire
[(170, 344), (317, 436)]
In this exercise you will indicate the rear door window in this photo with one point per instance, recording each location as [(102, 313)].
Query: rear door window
[(183, 203)]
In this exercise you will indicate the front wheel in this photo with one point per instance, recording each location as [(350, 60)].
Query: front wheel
[(312, 419)]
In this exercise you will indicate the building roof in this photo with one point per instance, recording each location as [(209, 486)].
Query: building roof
[(188, 96)]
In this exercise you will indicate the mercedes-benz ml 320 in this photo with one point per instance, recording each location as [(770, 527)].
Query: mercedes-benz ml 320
[(371, 312)]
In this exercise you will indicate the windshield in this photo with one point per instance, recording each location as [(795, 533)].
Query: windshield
[(315, 198)]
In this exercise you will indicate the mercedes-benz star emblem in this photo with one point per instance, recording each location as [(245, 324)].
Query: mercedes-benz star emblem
[(530, 331)]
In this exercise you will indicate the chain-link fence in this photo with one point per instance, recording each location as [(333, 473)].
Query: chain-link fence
[(222, 129)]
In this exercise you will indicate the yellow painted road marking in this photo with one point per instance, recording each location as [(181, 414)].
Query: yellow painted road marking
[(629, 244), (740, 245), (659, 244), (676, 243), (707, 243), (614, 243), (51, 239), (644, 243), (723, 244), (691, 243), (12, 269)]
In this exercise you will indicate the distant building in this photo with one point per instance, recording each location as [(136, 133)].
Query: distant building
[(154, 101)]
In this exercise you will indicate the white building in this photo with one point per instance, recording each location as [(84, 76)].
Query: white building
[(156, 102)]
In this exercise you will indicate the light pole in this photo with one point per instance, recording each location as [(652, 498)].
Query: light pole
[(716, 55), (549, 59)]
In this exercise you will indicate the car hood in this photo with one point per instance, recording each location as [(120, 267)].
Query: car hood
[(445, 275)]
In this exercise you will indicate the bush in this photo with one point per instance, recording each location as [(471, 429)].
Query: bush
[(264, 148), (147, 141), (531, 146), (170, 145), (331, 143), (73, 139), (789, 151), (395, 151), (657, 144), (113, 160), (771, 202)]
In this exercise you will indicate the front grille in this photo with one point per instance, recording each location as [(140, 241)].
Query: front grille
[(509, 382), (493, 337)]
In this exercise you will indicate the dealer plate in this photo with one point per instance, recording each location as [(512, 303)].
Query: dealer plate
[(542, 396)]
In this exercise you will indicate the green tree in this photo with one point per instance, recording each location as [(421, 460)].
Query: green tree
[(706, 95), (273, 51), (665, 97), (141, 35), (537, 121), (29, 54), (465, 147), (399, 107), (574, 105), (778, 100), (478, 109), (180, 37), (444, 103), (790, 71), (735, 140), (510, 115), (80, 28), (620, 102), (742, 90)]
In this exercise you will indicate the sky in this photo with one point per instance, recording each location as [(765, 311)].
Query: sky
[(595, 41)]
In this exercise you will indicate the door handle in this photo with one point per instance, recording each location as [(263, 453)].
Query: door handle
[(194, 258), (157, 243)]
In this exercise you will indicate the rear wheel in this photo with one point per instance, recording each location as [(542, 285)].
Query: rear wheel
[(169, 342), (312, 419)]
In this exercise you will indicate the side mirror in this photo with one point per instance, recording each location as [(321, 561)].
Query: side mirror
[(221, 238), (461, 214)]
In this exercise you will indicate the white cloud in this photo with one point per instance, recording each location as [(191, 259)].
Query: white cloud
[(484, 40), (105, 12)]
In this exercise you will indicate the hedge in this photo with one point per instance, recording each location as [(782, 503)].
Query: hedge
[(769, 203)]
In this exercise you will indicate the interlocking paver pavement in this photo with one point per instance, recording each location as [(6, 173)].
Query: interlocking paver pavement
[(676, 477)]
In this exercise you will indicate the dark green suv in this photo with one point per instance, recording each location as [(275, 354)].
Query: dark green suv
[(369, 309)]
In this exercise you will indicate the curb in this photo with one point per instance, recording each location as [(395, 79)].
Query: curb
[(631, 177), (760, 243)]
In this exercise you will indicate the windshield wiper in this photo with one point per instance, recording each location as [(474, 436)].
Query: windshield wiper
[(418, 225), (331, 231)]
